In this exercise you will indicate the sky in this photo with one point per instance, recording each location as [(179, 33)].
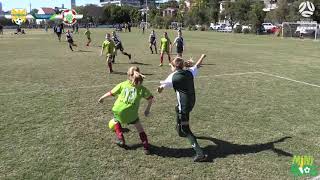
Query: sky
[(10, 4)]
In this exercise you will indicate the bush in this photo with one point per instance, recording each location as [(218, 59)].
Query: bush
[(189, 28), (246, 31), (238, 29), (202, 28), (194, 28)]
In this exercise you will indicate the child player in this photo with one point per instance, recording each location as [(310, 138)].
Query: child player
[(180, 44), (165, 45), (70, 39), (119, 46), (108, 47), (88, 34), (153, 41), (182, 81), (125, 109)]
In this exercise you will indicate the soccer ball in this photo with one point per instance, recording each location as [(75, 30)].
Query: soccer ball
[(112, 124), (306, 9), (18, 21)]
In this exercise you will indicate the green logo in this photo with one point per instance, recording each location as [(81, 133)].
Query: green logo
[(69, 18), (303, 166)]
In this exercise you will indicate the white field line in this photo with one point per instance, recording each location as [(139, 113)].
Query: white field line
[(288, 79), (107, 85), (157, 81)]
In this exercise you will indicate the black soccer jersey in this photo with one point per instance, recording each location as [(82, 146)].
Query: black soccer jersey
[(182, 82)]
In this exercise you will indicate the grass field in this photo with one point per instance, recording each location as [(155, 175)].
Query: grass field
[(257, 106)]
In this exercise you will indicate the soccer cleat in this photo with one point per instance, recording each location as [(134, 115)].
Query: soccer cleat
[(200, 158), (146, 151), (129, 56), (160, 64), (120, 143)]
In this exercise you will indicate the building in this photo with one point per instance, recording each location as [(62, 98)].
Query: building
[(48, 11), (73, 4), (169, 11), (269, 5), (0, 7), (134, 3)]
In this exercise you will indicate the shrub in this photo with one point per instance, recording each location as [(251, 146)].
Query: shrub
[(246, 31), (238, 29), (202, 28), (194, 28), (189, 28)]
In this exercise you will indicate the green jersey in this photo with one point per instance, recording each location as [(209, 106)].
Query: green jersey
[(108, 47), (88, 34), (165, 43), (126, 107)]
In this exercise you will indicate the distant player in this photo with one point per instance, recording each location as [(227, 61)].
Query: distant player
[(88, 34), (153, 41), (1, 29), (180, 43), (126, 108), (108, 47), (70, 39), (165, 45), (59, 32), (182, 81), (118, 43)]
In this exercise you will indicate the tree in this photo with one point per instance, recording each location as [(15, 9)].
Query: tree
[(230, 12), (257, 15)]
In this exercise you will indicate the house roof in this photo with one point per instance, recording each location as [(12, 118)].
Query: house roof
[(48, 10)]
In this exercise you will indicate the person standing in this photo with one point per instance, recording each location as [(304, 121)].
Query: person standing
[(179, 42), (108, 47), (153, 42), (182, 81), (165, 45)]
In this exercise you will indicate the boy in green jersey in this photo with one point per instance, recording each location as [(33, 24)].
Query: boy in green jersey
[(88, 34), (182, 81), (165, 45), (108, 47), (125, 109)]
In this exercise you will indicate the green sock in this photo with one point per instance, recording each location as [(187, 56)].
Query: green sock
[(194, 144)]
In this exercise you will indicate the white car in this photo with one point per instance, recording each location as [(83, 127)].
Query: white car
[(268, 26), (218, 26), (246, 27), (225, 29)]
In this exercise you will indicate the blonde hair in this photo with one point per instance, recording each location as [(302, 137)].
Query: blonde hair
[(135, 76), (179, 63)]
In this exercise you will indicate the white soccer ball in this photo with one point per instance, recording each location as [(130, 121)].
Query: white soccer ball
[(306, 9), (18, 21)]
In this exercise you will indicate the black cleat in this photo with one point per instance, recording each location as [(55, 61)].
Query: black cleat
[(200, 158)]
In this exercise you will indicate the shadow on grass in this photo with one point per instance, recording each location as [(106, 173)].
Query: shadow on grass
[(83, 51), (221, 149), (124, 73)]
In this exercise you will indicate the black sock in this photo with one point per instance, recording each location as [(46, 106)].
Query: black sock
[(193, 141), (70, 47)]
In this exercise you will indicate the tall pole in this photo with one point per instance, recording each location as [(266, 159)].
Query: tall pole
[(146, 14)]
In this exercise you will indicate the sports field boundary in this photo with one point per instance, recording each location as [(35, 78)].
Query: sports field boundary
[(158, 81)]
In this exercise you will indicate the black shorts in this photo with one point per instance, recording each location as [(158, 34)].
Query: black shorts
[(59, 34), (179, 50), (119, 46), (70, 41), (154, 42)]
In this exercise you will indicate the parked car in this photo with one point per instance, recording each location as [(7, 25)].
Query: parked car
[(217, 26), (198, 26), (268, 27), (225, 29), (176, 25), (249, 27)]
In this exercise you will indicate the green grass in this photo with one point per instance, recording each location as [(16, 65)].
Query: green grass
[(251, 124)]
